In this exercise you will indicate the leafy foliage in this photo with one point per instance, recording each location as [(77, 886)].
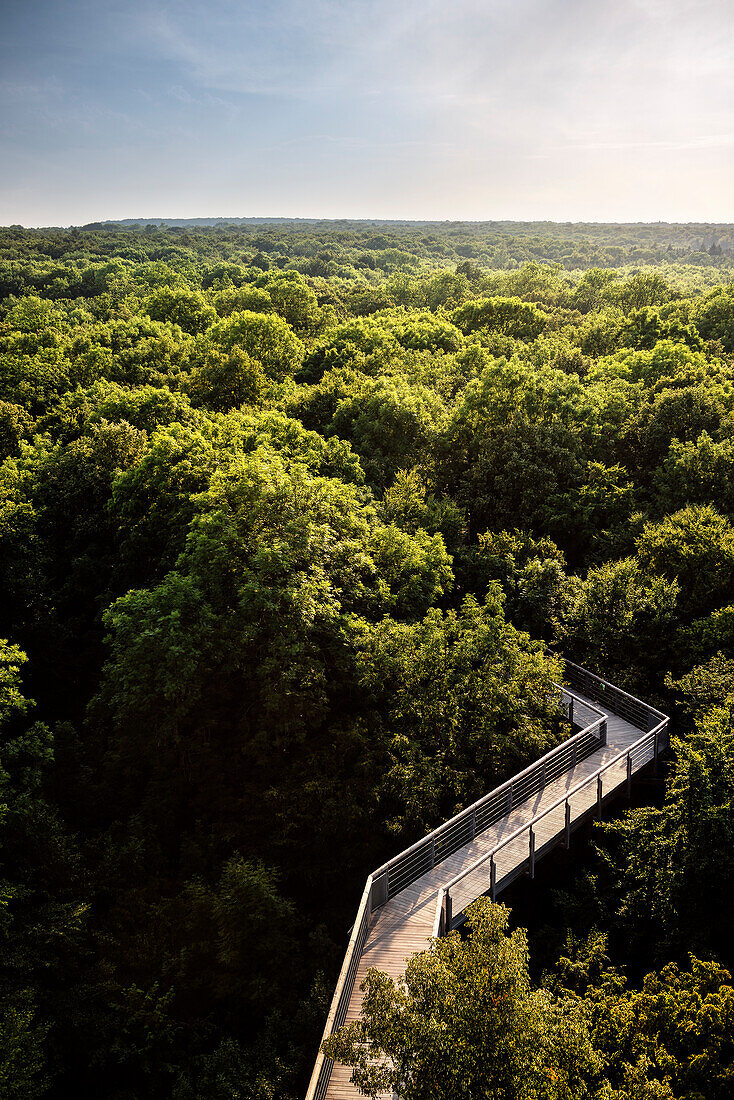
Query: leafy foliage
[(466, 1022), (288, 514)]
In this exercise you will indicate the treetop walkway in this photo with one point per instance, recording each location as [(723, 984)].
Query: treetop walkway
[(424, 891)]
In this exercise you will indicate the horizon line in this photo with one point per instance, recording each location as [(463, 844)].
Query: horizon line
[(309, 219)]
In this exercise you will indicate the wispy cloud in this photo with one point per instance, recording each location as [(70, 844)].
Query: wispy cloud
[(515, 107)]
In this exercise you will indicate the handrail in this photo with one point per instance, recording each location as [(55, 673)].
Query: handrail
[(426, 853), (632, 705), (528, 825), (340, 1001), (613, 687), (392, 877), (505, 786), (377, 888)]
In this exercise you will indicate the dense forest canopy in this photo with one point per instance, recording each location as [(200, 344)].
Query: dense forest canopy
[(351, 249), (293, 518)]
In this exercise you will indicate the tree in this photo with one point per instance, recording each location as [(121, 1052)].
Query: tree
[(130, 350), (254, 299), (15, 424), (697, 472), (408, 503), (680, 413), (514, 447), (621, 619), (42, 916), (462, 700), (668, 1039), (714, 316), (672, 1036), (677, 863), (588, 294), (421, 330), (391, 423), (532, 574), (414, 569), (186, 308), (466, 1023), (294, 300), (509, 316), (645, 327), (227, 380), (640, 290), (694, 548), (145, 407), (266, 338)]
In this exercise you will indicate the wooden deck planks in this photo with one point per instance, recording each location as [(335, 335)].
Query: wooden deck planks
[(404, 925)]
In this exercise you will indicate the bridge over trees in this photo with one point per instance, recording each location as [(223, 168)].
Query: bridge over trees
[(424, 891)]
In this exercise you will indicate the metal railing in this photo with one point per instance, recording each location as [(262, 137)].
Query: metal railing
[(642, 716), (343, 993), (423, 856), (641, 752)]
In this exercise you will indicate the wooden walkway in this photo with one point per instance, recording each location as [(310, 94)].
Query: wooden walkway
[(404, 924)]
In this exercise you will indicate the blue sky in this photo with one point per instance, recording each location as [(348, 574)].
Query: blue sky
[(561, 109)]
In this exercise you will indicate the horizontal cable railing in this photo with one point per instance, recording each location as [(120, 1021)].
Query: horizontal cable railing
[(342, 994), (638, 714), (405, 868), (619, 769), (461, 830)]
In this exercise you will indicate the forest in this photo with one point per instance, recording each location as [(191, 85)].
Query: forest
[(295, 518)]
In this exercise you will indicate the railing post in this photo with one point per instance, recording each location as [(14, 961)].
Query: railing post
[(655, 756), (629, 776), (573, 754), (542, 777), (492, 878), (474, 824), (570, 711), (568, 824), (532, 852), (598, 796), (379, 891), (447, 915), (603, 731), (509, 798), (433, 852)]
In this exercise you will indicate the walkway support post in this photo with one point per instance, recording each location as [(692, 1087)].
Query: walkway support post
[(447, 915)]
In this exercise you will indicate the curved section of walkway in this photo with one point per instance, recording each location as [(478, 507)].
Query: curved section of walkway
[(424, 891)]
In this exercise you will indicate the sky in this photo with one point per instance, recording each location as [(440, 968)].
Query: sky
[(566, 110)]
